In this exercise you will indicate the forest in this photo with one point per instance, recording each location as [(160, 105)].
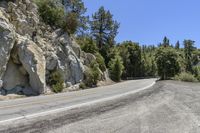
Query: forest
[(127, 60)]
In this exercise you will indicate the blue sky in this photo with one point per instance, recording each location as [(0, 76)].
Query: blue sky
[(148, 21)]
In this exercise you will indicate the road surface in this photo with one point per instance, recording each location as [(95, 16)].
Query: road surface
[(172, 107), (47, 113)]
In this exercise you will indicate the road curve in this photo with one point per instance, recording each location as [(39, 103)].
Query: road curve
[(172, 107), (26, 109)]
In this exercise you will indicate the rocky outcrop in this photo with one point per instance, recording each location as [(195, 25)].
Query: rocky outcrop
[(69, 64), (27, 61), (33, 60), (7, 39)]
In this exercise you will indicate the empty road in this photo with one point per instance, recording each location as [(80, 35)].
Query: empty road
[(37, 114), (128, 107), (173, 107)]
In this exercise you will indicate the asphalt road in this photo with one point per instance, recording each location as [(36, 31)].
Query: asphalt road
[(48, 113), (171, 107)]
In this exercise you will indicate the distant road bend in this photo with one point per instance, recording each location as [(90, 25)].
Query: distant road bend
[(33, 114)]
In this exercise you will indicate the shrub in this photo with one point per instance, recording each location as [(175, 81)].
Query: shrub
[(101, 62), (82, 86), (56, 82), (116, 68), (88, 45), (187, 77), (71, 23), (92, 75), (51, 13), (196, 71)]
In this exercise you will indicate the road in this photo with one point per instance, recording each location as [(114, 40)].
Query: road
[(172, 107), (46, 113)]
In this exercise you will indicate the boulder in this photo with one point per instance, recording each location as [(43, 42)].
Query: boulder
[(33, 60), (17, 78), (7, 39)]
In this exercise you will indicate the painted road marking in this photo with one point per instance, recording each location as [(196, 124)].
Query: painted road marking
[(75, 106)]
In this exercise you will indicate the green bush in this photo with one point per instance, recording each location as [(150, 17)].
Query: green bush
[(196, 71), (88, 45), (82, 86), (116, 68), (71, 23), (51, 13), (187, 77), (56, 82), (92, 75), (101, 62)]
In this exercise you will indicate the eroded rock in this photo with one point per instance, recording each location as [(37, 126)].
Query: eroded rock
[(7, 39), (13, 77), (33, 60)]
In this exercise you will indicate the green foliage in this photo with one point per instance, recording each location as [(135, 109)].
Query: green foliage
[(75, 19), (116, 68), (196, 71), (71, 23), (165, 42), (92, 75), (167, 64), (188, 49), (88, 45), (195, 57), (72, 20), (104, 30), (51, 13), (187, 77), (101, 62), (177, 45), (82, 86), (56, 82), (131, 56), (148, 65)]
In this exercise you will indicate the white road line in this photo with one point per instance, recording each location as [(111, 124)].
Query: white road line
[(75, 106)]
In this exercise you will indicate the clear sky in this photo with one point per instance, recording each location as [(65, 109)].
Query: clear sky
[(148, 21)]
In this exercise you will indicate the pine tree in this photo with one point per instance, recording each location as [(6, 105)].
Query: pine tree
[(165, 42), (104, 28), (177, 45), (188, 49)]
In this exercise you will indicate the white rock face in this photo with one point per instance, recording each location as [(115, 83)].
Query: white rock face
[(33, 60), (69, 64), (7, 39)]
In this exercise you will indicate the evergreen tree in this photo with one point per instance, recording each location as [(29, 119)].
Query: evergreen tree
[(177, 45), (104, 28), (166, 42), (116, 68), (74, 13), (131, 55), (188, 49)]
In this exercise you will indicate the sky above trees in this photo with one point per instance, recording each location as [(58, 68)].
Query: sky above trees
[(148, 21)]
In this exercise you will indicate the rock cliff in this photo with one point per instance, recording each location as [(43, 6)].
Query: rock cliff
[(30, 51)]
